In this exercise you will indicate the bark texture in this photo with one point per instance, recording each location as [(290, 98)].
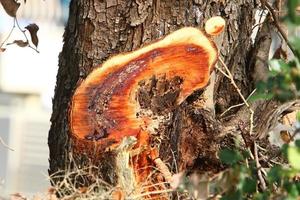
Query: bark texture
[(97, 29)]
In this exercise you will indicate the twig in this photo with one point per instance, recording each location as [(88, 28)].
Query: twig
[(255, 156), (222, 72), (297, 131), (230, 76), (259, 174), (237, 105), (260, 22), (8, 36), (5, 145), (279, 28), (23, 31)]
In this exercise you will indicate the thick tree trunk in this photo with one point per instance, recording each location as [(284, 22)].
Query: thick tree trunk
[(98, 29)]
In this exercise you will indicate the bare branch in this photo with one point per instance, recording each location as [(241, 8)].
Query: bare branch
[(4, 144), (277, 24), (8, 36), (240, 94)]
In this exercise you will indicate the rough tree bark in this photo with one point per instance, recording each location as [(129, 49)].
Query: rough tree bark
[(98, 29)]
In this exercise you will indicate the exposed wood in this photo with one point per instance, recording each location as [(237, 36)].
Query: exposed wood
[(97, 30), (105, 107)]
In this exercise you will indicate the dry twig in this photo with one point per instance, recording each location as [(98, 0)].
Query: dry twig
[(277, 24), (259, 172), (230, 76), (255, 157), (5, 145)]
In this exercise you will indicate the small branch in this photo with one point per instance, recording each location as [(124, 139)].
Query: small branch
[(8, 36), (259, 172), (279, 28), (23, 31), (297, 131), (230, 76), (222, 72), (237, 105), (5, 145)]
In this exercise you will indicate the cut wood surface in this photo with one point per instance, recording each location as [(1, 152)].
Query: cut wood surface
[(104, 107)]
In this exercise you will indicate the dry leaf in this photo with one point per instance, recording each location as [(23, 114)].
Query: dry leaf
[(286, 136), (10, 7), (280, 54), (17, 196), (51, 193), (118, 194), (2, 50), (33, 29), (51, 190), (20, 43), (83, 190)]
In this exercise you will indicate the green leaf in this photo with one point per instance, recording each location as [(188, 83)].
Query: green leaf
[(294, 157), (298, 116), (291, 188), (262, 196), (298, 186), (297, 82), (229, 156), (284, 150), (297, 143), (275, 174), (292, 15), (295, 42), (277, 65), (234, 195), (249, 186)]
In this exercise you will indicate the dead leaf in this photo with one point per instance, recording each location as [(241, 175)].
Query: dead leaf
[(33, 29), (51, 190), (51, 193), (10, 7), (280, 53), (118, 194), (2, 50), (17, 196), (83, 190), (20, 43), (286, 136)]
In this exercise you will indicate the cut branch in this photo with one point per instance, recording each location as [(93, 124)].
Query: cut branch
[(105, 109)]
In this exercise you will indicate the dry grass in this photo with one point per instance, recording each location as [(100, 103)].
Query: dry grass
[(80, 184), (84, 184)]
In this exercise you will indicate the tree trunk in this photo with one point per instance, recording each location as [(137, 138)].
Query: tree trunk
[(98, 29)]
